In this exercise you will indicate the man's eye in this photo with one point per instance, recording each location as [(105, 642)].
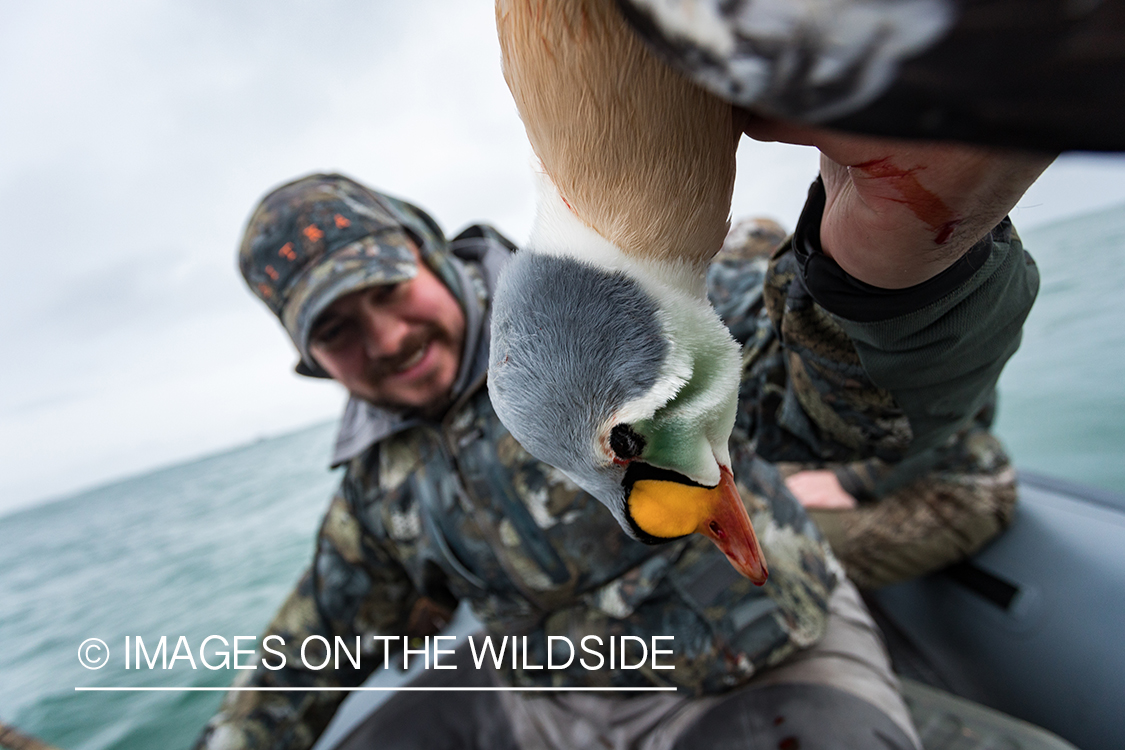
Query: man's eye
[(626, 443), (330, 335)]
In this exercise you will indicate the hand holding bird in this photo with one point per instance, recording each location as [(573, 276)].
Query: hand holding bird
[(900, 212)]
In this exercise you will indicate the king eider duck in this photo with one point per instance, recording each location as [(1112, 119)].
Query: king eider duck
[(607, 361)]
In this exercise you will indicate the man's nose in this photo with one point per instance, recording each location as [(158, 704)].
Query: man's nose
[(383, 333)]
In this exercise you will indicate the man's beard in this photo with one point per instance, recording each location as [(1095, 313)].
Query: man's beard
[(429, 334)]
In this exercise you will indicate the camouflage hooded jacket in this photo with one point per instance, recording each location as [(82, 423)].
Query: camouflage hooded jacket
[(433, 513)]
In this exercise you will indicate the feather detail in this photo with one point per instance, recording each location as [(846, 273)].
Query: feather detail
[(641, 155), (700, 349)]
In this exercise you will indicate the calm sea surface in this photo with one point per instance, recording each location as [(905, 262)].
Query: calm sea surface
[(212, 547), (206, 548), (1062, 396)]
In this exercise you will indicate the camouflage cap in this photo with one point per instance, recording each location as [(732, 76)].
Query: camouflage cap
[(751, 238), (313, 240)]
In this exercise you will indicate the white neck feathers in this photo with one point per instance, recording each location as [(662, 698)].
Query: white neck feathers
[(559, 231)]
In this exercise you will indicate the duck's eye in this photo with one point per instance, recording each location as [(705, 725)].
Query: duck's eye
[(625, 443)]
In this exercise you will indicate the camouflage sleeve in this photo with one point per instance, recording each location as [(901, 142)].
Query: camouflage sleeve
[(354, 589), (972, 451), (942, 363), (938, 347)]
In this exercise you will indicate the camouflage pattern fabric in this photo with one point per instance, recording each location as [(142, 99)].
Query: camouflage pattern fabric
[(946, 515), (751, 238), (458, 511), (807, 403), (534, 555), (796, 61)]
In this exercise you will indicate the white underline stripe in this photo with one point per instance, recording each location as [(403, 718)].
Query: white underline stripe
[(376, 689)]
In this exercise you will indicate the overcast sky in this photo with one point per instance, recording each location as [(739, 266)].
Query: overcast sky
[(135, 137)]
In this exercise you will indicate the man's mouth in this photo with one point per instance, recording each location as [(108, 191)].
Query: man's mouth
[(412, 360)]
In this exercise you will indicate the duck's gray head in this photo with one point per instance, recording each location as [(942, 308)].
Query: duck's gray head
[(586, 373)]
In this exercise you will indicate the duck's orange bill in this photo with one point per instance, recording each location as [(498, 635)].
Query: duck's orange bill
[(667, 510)]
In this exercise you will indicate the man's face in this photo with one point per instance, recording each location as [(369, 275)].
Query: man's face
[(395, 345)]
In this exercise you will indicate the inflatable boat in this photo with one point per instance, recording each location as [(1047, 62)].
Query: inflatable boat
[(1034, 625)]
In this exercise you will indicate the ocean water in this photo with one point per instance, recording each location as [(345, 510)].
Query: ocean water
[(1062, 396), (213, 546), (210, 547)]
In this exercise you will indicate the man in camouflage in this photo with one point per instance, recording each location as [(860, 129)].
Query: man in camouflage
[(887, 521), (440, 505)]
